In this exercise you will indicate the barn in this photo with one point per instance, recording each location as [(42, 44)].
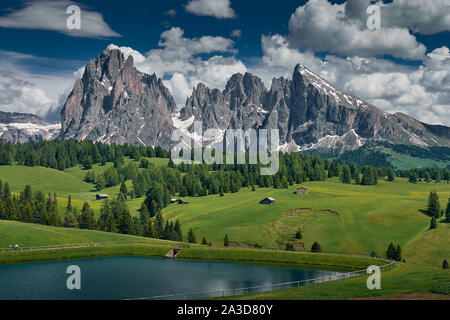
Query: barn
[(182, 201), (268, 200), (302, 190), (101, 196)]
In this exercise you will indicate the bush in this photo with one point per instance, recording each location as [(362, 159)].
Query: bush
[(289, 247), (445, 264), (316, 247)]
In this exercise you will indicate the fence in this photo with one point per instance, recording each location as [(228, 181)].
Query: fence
[(265, 288), (73, 246), (168, 244)]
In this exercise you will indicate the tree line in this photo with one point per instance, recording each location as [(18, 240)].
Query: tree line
[(62, 154), (425, 174)]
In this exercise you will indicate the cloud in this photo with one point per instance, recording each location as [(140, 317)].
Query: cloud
[(220, 9), (420, 16), (236, 33), (51, 15), (171, 12), (341, 28), (30, 92), (181, 62), (423, 92)]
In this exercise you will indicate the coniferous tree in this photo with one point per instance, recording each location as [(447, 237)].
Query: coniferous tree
[(391, 251), (433, 223), (87, 220), (70, 221), (179, 234), (100, 182), (191, 236), (226, 242), (123, 189), (434, 206), (346, 175), (151, 231), (390, 174), (398, 254), (204, 242), (159, 225), (413, 177)]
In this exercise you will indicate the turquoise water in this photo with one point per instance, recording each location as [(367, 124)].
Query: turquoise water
[(136, 277)]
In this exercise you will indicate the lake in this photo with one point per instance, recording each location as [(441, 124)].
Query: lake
[(135, 277)]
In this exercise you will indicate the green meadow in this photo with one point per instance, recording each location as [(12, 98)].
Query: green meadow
[(342, 218)]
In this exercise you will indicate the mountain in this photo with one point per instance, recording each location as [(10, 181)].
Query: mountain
[(24, 127), (310, 112), (115, 103)]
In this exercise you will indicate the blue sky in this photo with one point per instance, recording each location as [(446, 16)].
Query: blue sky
[(403, 67)]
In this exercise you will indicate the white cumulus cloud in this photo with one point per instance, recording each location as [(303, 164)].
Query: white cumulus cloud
[(52, 15), (341, 28), (220, 9)]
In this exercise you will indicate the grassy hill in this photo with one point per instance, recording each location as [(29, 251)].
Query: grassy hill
[(342, 218), (30, 235)]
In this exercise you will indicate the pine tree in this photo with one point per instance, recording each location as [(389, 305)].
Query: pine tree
[(413, 177), (298, 235), (191, 236), (70, 221), (434, 207), (87, 220), (346, 175), (433, 223), (69, 204), (111, 225), (390, 174), (398, 254), (100, 182), (226, 242), (123, 189), (159, 225), (179, 234), (391, 251), (204, 242), (151, 231)]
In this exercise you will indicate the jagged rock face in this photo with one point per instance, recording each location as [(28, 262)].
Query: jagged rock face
[(24, 127), (240, 105), (309, 112), (115, 103)]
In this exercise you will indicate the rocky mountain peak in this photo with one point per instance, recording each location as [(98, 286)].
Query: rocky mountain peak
[(115, 103)]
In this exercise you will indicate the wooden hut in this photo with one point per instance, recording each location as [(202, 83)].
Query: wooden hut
[(302, 190), (268, 200)]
